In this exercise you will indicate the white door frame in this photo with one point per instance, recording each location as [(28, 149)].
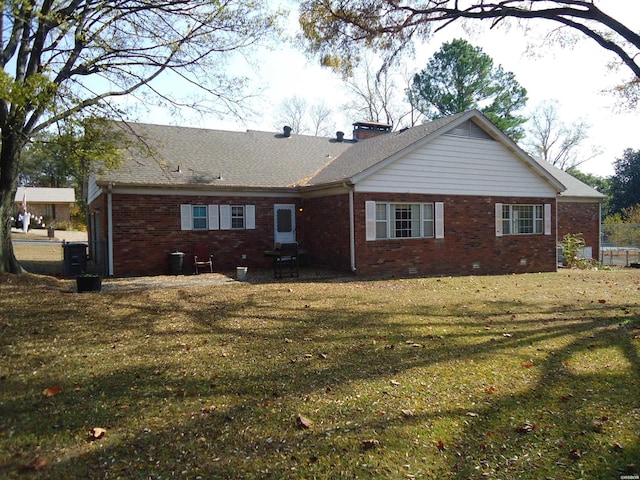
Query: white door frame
[(284, 237)]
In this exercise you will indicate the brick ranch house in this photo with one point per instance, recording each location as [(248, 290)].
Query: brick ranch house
[(53, 204), (451, 197)]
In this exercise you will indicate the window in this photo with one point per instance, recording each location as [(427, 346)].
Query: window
[(237, 216), (199, 217), (403, 220), (522, 219), (217, 217)]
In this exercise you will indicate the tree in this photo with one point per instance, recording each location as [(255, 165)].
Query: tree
[(459, 77), (601, 184), (555, 142), (625, 182), (295, 112), (75, 58), (66, 158), (623, 228), (320, 114), (291, 113), (337, 30)]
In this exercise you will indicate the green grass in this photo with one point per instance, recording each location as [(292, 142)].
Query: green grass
[(528, 376)]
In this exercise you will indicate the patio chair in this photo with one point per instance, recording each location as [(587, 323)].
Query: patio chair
[(202, 257), (287, 256)]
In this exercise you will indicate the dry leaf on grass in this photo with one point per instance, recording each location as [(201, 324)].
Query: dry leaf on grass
[(96, 433), (38, 463), (303, 422), (370, 444), (51, 391), (526, 427)]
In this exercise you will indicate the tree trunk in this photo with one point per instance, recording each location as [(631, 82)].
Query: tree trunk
[(9, 159)]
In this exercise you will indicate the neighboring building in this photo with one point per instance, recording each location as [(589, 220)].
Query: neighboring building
[(451, 197), (52, 204)]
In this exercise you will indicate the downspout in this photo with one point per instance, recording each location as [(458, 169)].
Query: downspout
[(600, 253), (352, 239), (557, 215), (109, 230)]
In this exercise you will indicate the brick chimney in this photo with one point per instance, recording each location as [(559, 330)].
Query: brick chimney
[(364, 130)]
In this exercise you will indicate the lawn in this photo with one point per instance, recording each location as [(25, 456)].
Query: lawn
[(523, 376)]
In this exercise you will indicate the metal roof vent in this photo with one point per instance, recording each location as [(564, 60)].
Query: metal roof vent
[(340, 136), (287, 131)]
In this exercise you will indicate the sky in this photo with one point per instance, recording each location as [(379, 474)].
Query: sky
[(576, 78)]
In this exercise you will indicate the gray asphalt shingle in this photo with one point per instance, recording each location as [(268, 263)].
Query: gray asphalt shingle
[(195, 157)]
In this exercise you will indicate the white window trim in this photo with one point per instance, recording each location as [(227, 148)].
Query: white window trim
[(206, 217), (370, 220), (546, 219)]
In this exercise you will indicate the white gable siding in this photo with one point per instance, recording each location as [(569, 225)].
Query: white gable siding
[(93, 190), (458, 166)]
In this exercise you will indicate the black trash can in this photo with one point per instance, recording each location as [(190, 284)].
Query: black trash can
[(75, 259), (176, 261)]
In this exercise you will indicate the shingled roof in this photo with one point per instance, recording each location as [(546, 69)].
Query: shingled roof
[(182, 156), (177, 157)]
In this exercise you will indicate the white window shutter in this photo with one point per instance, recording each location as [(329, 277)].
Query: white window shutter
[(225, 217), (547, 219), (250, 214), (186, 217), (498, 219), (439, 219), (370, 220), (212, 212)]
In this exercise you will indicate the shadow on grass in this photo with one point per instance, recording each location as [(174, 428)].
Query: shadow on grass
[(213, 388)]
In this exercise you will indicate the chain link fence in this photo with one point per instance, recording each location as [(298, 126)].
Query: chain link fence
[(620, 245)]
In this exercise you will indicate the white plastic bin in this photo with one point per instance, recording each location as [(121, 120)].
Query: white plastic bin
[(241, 274)]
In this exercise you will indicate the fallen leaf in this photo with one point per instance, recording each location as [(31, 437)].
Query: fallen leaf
[(602, 301), (527, 364), (303, 422), (575, 454), (441, 446), (97, 433), (38, 463), (369, 444), (51, 391), (490, 389), (526, 427)]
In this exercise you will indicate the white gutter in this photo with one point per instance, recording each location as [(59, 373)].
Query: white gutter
[(352, 239), (109, 230)]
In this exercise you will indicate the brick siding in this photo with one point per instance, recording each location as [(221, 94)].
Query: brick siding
[(583, 218), (470, 245), (147, 229)]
